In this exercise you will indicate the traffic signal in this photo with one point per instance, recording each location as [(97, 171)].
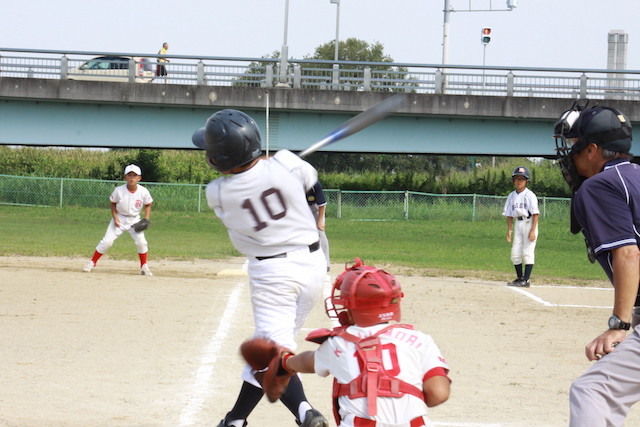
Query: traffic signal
[(485, 36)]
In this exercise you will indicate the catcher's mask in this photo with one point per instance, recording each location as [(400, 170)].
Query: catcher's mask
[(578, 127), (370, 294), (231, 138)]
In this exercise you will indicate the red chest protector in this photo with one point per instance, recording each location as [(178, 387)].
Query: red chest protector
[(373, 380)]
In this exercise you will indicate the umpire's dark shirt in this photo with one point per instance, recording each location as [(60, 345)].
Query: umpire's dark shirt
[(607, 207)]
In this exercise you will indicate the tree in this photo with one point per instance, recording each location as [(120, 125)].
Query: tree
[(353, 49)]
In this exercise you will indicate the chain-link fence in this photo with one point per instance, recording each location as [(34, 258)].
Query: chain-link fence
[(352, 205)]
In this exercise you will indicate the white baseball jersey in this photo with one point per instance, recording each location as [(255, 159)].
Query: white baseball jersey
[(521, 204), (130, 204), (265, 208), (409, 355)]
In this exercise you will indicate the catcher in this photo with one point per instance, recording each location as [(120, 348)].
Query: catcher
[(405, 371), (127, 202)]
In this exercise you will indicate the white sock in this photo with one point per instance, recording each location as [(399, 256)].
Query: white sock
[(302, 410), (236, 423)]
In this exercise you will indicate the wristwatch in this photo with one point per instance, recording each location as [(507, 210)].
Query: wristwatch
[(616, 323)]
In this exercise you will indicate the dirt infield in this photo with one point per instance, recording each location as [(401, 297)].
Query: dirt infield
[(113, 348)]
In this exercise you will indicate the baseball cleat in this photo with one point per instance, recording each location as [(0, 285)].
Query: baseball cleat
[(145, 271), (520, 283), (224, 423), (313, 418), (88, 266)]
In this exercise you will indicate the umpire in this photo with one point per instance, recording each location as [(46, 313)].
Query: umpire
[(593, 147)]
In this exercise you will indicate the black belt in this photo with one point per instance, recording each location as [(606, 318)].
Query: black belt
[(312, 248), (521, 218)]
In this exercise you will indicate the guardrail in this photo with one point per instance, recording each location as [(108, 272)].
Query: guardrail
[(320, 75)]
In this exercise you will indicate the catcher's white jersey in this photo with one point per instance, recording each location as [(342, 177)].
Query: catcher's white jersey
[(130, 204), (521, 204), (265, 208), (409, 355)]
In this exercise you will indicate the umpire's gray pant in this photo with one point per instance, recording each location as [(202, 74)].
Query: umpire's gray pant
[(603, 395)]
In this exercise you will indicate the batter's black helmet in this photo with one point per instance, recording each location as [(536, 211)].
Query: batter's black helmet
[(522, 171), (231, 139)]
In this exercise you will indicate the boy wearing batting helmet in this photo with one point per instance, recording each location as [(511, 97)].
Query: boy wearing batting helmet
[(521, 210), (263, 204), (593, 147), (384, 373)]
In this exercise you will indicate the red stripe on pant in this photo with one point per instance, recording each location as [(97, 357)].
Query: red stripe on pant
[(364, 422)]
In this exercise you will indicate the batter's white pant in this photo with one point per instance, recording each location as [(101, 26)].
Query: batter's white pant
[(114, 232), (603, 395), (522, 249), (283, 293)]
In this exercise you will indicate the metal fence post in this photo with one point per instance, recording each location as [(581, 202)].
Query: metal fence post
[(406, 205), (438, 81), (473, 209), (199, 198), (583, 86), (132, 70), (339, 210), (64, 67), (200, 74), (268, 76), (510, 79), (61, 191), (297, 76), (366, 83), (335, 79)]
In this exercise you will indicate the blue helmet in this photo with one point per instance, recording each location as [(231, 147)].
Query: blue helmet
[(231, 138), (522, 171)]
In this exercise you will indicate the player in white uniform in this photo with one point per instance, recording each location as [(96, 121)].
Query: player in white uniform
[(128, 201), (521, 207), (406, 372), (263, 204)]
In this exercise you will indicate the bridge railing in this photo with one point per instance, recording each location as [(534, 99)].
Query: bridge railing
[(340, 75)]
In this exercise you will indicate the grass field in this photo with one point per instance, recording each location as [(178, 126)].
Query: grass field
[(438, 247)]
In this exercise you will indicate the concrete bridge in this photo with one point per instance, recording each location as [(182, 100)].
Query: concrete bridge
[(56, 112)]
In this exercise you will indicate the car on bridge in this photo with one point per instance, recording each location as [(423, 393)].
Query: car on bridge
[(114, 69)]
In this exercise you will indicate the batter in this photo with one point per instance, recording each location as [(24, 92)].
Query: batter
[(262, 203)]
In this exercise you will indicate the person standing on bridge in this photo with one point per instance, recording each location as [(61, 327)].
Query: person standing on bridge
[(161, 69), (593, 147)]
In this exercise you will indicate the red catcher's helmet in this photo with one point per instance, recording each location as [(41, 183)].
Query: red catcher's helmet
[(370, 294)]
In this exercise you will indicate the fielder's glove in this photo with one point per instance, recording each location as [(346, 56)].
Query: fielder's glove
[(141, 225), (261, 354)]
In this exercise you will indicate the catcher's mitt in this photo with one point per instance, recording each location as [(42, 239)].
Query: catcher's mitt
[(265, 355), (258, 352), (141, 225), (276, 378)]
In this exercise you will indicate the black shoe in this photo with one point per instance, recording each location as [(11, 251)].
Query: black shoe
[(515, 282), (313, 418), (520, 283), (223, 423)]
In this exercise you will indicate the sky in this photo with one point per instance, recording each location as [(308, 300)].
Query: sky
[(538, 33)]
